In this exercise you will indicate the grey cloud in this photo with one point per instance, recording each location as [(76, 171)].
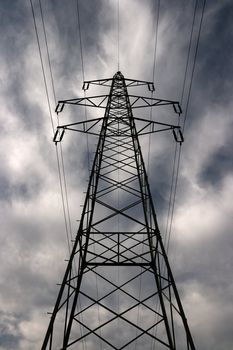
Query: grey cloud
[(9, 330), (219, 165), (24, 190)]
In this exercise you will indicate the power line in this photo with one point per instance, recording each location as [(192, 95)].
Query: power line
[(177, 155), (172, 207), (62, 170), (48, 54), (156, 39), (174, 182), (65, 189), (51, 119), (61, 167), (62, 196), (153, 75), (189, 50), (175, 167), (83, 75), (60, 163), (80, 38), (42, 66), (156, 20), (194, 64)]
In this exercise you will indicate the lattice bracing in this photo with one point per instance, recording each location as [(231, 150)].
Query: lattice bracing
[(118, 291)]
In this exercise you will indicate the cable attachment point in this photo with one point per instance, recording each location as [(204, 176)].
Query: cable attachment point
[(151, 87), (58, 136), (85, 85), (177, 108), (59, 107), (178, 136)]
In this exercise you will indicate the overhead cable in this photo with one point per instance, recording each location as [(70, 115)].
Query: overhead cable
[(83, 75), (50, 113), (87, 143), (186, 109), (153, 75), (156, 20), (194, 64), (60, 163)]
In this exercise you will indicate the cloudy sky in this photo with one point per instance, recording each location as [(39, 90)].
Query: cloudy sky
[(33, 239)]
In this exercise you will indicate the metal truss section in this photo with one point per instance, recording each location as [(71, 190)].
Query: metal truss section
[(100, 101), (128, 83), (118, 291), (146, 127)]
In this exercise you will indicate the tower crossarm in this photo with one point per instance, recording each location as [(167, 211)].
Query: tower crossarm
[(100, 101), (143, 101), (85, 127), (152, 127), (128, 82), (148, 127), (94, 101)]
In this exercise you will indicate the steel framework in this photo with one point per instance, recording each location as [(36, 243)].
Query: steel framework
[(118, 291)]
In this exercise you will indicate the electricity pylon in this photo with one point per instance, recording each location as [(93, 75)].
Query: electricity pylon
[(118, 291)]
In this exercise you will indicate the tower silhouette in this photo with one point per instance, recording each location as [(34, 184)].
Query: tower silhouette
[(118, 291)]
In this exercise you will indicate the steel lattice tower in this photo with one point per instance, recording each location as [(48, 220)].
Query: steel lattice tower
[(118, 291)]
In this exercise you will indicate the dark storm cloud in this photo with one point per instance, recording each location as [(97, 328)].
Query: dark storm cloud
[(17, 41), (214, 68), (196, 261), (205, 259), (64, 34), (160, 186), (9, 330), (203, 274), (211, 90), (29, 115), (219, 165), (24, 190)]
